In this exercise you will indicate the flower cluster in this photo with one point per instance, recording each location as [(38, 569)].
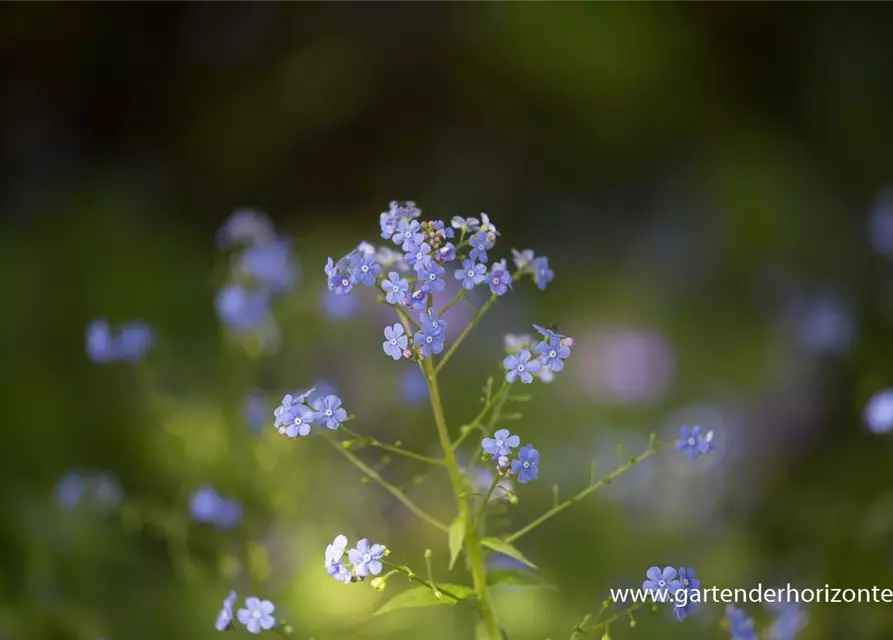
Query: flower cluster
[(256, 615), (97, 488), (665, 585), (128, 344), (551, 352), (208, 506), (693, 442), (525, 467), (362, 561), (294, 417), (262, 269)]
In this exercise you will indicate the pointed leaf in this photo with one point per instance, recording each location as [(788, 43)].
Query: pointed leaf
[(516, 578), (496, 544), (424, 597), (457, 536)]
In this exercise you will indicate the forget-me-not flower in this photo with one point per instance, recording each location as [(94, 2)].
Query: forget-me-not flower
[(499, 279), (418, 256), (300, 424), (429, 340), (225, 616), (501, 444), (542, 274), (432, 323), (526, 467), (432, 277), (409, 234), (329, 412), (520, 365), (479, 245), (395, 288), (241, 309), (446, 253), (693, 442), (341, 283), (471, 274), (687, 583), (879, 411), (419, 298), (366, 558), (741, 625), (553, 353), (662, 583), (257, 615), (284, 413), (465, 224), (396, 340), (364, 269), (334, 554), (270, 265)]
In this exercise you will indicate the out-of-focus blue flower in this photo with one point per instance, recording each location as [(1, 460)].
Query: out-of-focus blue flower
[(661, 583), (334, 554), (100, 343), (71, 489), (129, 344), (825, 324), (553, 353), (366, 558), (395, 288), (328, 412), (879, 412), (465, 224), (526, 467), (471, 274), (255, 409), (542, 274), (395, 341), (515, 343), (693, 442), (790, 620), (520, 365), (207, 506), (99, 489), (270, 265), (480, 242), (225, 616), (247, 227), (257, 615), (501, 444), (488, 227), (500, 279), (523, 259), (134, 339), (432, 277), (339, 307), (413, 387), (741, 626), (240, 309)]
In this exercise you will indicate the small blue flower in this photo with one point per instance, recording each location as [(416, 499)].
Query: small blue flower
[(246, 227), (409, 234), (341, 283), (255, 409), (418, 256), (548, 334), (523, 259), (553, 353), (500, 279), (225, 616), (879, 412), (432, 277), (471, 274), (419, 298), (741, 626), (270, 265), (100, 343), (693, 442), (207, 506), (364, 269), (429, 341), (71, 489), (396, 341), (334, 554), (328, 411), (687, 583), (501, 444), (284, 413), (465, 224), (331, 269), (526, 467), (300, 424), (257, 615), (446, 253), (542, 274), (431, 323), (480, 242), (366, 559), (790, 621), (395, 288), (134, 339), (661, 583), (241, 309), (443, 231), (520, 365), (388, 224)]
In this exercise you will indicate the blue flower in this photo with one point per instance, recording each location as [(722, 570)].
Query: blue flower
[(501, 444), (257, 615), (207, 506), (331, 269), (790, 621), (395, 288), (500, 279), (338, 307), (395, 341), (419, 298), (432, 277), (255, 409), (71, 489), (366, 559), (284, 414), (488, 227), (247, 227), (225, 617), (480, 242), (432, 324), (100, 343), (401, 210), (687, 583), (471, 274), (270, 265), (693, 442), (418, 256), (240, 309), (98, 488), (388, 223), (661, 583), (465, 224), (553, 353), (134, 339), (443, 231), (300, 424), (548, 334), (364, 269), (334, 566), (429, 341), (526, 467), (329, 412), (130, 344), (341, 283), (408, 234), (542, 274), (446, 253), (741, 626), (879, 412), (523, 259), (520, 365)]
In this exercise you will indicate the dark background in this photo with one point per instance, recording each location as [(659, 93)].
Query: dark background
[(702, 177)]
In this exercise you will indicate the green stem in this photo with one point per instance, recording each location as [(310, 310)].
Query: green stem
[(394, 491), (412, 577), (372, 442), (466, 430), (614, 618), (483, 509), (472, 542), (653, 448), (449, 304), (477, 316)]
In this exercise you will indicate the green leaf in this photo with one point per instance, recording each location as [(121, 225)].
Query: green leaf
[(457, 536), (516, 578), (424, 597), (495, 544)]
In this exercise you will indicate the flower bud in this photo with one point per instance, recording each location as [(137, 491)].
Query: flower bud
[(379, 583)]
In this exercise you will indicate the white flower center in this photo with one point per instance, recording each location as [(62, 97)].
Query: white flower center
[(364, 268), (299, 421), (526, 465), (429, 339), (552, 354), (366, 557), (685, 582), (329, 412), (396, 288), (470, 273), (345, 282), (662, 583), (256, 614), (692, 442), (432, 277), (499, 443), (393, 340), (521, 367)]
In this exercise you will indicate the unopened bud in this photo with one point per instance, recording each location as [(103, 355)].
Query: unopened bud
[(379, 583), (407, 353), (503, 463), (428, 554)]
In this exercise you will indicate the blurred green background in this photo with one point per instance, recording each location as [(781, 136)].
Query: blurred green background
[(705, 179)]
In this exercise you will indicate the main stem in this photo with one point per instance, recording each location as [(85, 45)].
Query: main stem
[(472, 543)]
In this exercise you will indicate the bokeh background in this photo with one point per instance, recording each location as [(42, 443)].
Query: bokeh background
[(708, 181)]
